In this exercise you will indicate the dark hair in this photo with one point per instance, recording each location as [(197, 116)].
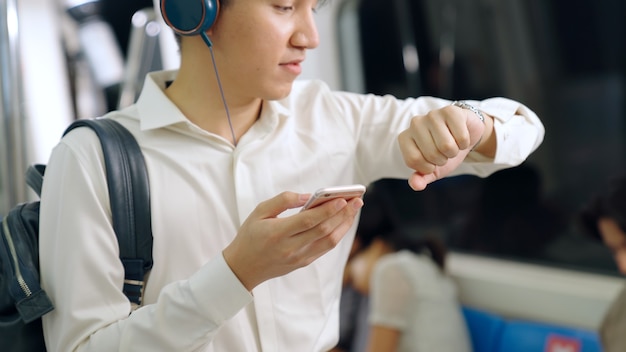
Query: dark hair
[(379, 220), (425, 239), (224, 3), (610, 203)]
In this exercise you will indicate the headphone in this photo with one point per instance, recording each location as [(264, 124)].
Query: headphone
[(195, 17), (190, 17)]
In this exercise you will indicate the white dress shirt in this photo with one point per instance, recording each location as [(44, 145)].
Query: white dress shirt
[(202, 189), (409, 293)]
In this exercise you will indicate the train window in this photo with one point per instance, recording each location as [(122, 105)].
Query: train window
[(566, 60)]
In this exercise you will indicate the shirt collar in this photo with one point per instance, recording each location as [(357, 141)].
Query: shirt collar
[(157, 110), (278, 107)]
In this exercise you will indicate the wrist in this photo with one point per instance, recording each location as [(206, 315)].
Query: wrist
[(239, 270), (487, 143), (463, 105)]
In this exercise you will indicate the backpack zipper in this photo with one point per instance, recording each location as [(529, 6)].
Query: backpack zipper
[(18, 273)]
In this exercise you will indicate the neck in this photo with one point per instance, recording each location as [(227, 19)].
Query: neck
[(379, 247), (197, 93)]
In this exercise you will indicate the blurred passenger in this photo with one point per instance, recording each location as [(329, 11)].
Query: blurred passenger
[(380, 217), (604, 218), (353, 327), (413, 304)]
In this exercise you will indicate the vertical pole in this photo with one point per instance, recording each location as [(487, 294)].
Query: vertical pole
[(12, 122)]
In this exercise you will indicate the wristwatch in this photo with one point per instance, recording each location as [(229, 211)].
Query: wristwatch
[(472, 108)]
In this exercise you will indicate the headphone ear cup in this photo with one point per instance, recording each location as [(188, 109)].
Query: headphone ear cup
[(189, 17)]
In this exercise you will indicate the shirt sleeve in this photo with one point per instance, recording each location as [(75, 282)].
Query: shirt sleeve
[(377, 121), (519, 132), (82, 273), (390, 294)]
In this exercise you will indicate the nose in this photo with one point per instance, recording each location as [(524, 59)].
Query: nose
[(306, 36)]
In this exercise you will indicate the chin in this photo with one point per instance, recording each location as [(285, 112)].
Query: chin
[(280, 92)]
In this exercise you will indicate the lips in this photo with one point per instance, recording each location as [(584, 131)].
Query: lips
[(293, 66)]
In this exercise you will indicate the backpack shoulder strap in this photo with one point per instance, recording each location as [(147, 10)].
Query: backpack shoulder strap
[(34, 177), (129, 194)]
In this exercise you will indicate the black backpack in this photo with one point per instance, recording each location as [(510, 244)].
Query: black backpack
[(22, 301)]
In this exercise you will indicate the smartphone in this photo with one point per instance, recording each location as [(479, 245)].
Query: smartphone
[(323, 195)]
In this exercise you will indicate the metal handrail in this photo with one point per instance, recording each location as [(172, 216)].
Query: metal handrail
[(12, 129), (349, 38), (143, 55)]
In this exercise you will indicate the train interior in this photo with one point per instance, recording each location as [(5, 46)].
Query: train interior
[(539, 284)]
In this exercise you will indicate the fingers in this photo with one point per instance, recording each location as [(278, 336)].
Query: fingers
[(459, 127), (308, 235), (324, 243), (268, 246), (448, 133), (327, 220), (434, 139)]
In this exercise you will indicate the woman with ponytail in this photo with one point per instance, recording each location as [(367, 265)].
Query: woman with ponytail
[(413, 304)]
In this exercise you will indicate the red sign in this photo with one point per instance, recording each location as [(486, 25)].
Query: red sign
[(556, 343)]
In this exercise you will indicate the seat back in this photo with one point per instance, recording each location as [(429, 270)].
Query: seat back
[(485, 329), (526, 336)]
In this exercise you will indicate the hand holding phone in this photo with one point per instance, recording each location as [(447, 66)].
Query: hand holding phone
[(323, 195)]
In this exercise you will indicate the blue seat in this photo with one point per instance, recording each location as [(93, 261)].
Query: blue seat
[(485, 329), (526, 336)]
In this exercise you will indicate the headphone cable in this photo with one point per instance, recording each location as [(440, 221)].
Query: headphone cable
[(219, 84)]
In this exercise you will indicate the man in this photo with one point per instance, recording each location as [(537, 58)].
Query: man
[(237, 266)]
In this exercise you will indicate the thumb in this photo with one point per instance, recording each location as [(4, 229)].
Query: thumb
[(272, 207), (418, 182)]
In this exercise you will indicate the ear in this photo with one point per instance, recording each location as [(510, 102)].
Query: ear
[(189, 17)]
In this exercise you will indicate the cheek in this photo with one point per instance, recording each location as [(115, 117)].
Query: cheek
[(620, 260), (359, 274)]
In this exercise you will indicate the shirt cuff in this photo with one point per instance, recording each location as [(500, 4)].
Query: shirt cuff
[(218, 291), (500, 108), (518, 130)]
